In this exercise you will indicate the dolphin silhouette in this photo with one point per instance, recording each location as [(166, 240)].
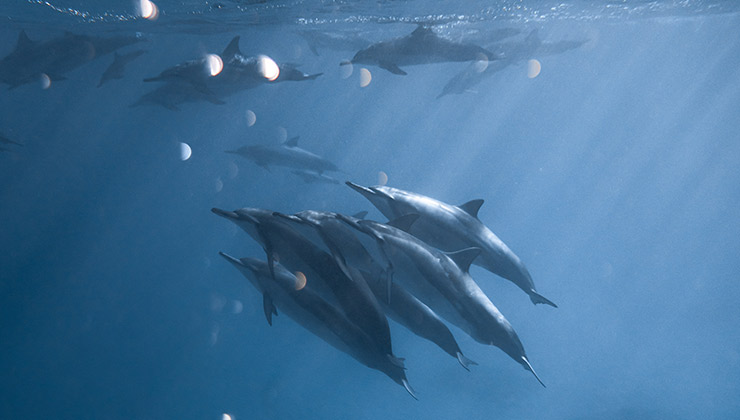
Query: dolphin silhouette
[(118, 66), (422, 46), (451, 227), (281, 290), (287, 154)]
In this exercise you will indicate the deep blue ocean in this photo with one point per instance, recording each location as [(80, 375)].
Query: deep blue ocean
[(612, 169)]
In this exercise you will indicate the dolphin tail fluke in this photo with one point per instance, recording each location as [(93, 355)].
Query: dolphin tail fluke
[(465, 362), (538, 298), (529, 368), (410, 390)]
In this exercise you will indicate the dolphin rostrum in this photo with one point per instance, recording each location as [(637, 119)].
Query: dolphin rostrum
[(449, 228), (282, 290), (443, 282), (403, 307), (422, 46), (287, 154), (293, 250)]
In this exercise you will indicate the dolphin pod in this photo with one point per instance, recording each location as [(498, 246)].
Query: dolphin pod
[(341, 276)]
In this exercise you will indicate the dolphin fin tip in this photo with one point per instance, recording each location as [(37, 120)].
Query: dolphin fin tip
[(528, 366), (537, 298), (465, 362), (410, 390)]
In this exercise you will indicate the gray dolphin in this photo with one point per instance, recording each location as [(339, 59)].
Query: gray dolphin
[(442, 281), (351, 292), (310, 177), (510, 53), (336, 41), (449, 227), (422, 46), (287, 154), (173, 94), (302, 304), (55, 57), (403, 307), (118, 66)]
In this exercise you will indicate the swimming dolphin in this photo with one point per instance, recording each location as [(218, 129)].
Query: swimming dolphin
[(287, 154), (118, 66), (173, 94), (510, 53), (449, 227), (443, 282), (336, 41), (422, 46), (289, 72), (310, 177), (350, 292), (5, 140), (403, 307), (30, 60), (282, 290)]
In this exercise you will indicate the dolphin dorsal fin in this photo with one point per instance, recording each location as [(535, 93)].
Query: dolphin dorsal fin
[(421, 30), (360, 215), (404, 222), (23, 41), (268, 307), (472, 207), (232, 49), (292, 142), (464, 257)]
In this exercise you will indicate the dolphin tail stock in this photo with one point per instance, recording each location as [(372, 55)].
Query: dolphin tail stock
[(528, 366), (538, 298), (465, 362)]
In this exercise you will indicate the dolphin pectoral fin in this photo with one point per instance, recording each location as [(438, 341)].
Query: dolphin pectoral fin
[(404, 222), (528, 366), (397, 361), (538, 298), (472, 207), (268, 307), (410, 390), (465, 362), (392, 67)]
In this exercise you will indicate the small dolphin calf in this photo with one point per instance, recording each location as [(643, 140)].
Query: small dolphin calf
[(422, 46), (118, 66), (288, 154), (403, 307), (442, 281), (282, 290), (449, 227)]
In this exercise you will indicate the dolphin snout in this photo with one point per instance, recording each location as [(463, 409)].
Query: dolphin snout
[(225, 214), (230, 259), (359, 188)]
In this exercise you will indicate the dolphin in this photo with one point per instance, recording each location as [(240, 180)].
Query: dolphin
[(55, 57), (350, 292), (336, 41), (290, 72), (310, 177), (287, 154), (403, 307), (510, 53), (449, 227), (282, 290), (173, 94), (422, 46), (5, 140), (118, 66), (443, 282)]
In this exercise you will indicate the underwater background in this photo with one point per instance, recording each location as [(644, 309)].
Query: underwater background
[(612, 171)]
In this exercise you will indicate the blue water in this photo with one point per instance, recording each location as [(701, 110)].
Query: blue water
[(613, 174)]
